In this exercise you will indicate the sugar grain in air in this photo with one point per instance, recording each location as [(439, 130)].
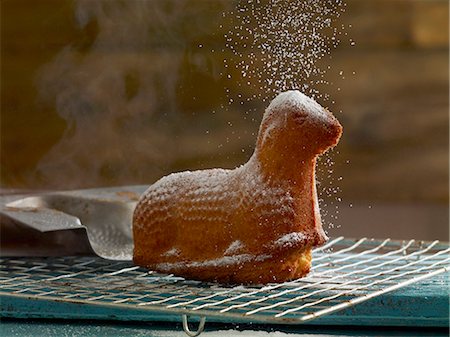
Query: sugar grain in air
[(280, 45), (277, 45)]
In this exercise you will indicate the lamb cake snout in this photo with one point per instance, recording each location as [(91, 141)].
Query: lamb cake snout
[(256, 223)]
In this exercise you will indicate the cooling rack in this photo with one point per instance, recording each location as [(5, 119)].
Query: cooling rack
[(345, 272)]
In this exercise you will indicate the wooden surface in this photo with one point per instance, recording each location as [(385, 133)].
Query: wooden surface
[(393, 94), (141, 106)]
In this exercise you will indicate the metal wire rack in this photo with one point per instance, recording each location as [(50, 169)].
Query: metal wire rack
[(345, 272)]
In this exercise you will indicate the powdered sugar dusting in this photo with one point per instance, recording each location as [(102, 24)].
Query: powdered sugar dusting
[(203, 194), (172, 252), (198, 191), (234, 247), (296, 101), (219, 262), (290, 240)]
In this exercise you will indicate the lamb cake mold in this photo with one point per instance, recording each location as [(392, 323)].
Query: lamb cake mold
[(254, 224)]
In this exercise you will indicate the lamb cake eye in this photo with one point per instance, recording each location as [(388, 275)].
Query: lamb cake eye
[(256, 223)]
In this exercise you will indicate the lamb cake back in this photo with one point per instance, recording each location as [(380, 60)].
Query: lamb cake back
[(254, 224)]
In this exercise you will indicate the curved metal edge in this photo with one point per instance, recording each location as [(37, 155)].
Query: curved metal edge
[(201, 326)]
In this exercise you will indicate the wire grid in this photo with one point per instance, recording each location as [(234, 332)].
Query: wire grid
[(344, 272)]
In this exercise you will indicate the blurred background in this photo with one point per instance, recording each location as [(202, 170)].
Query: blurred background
[(106, 93)]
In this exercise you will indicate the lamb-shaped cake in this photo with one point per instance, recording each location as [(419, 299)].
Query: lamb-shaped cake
[(254, 224)]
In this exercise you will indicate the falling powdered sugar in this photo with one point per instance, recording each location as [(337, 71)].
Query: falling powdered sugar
[(277, 45)]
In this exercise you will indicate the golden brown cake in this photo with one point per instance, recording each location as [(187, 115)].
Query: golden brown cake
[(254, 224)]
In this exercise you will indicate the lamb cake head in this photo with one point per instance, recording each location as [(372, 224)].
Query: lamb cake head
[(296, 128), (253, 224)]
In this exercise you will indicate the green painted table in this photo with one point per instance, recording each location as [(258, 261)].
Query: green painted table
[(421, 309)]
